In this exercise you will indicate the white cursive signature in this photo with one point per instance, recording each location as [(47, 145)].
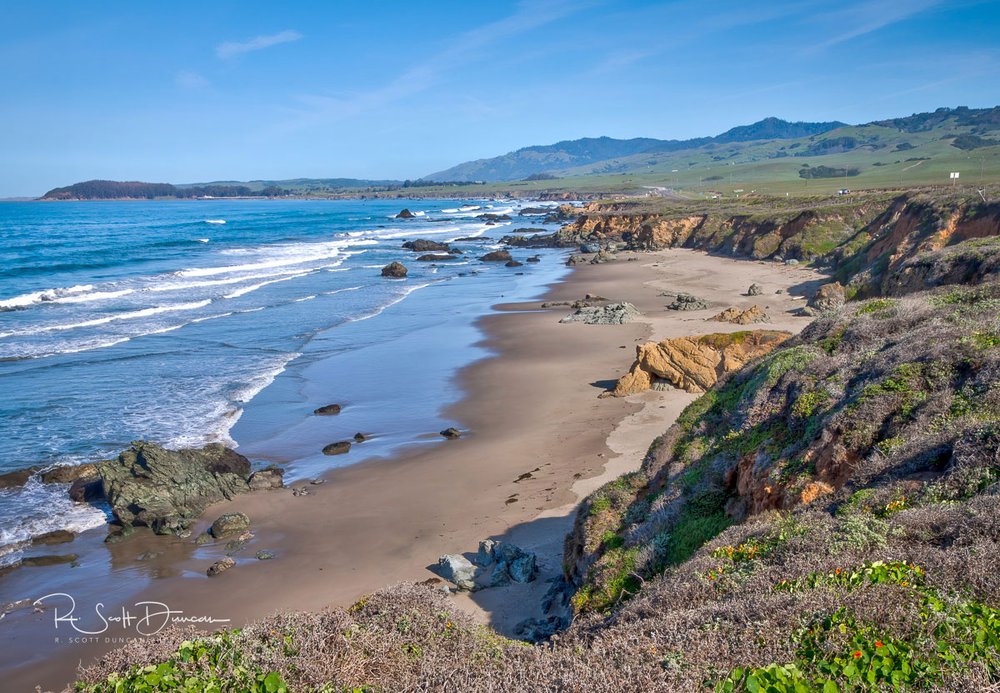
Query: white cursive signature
[(152, 617)]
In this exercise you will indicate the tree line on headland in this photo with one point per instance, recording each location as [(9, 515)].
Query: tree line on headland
[(117, 190)]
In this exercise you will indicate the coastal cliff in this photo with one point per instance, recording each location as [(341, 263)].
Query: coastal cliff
[(879, 245), (823, 518)]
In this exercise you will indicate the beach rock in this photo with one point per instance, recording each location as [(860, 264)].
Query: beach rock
[(457, 569), (328, 410), (484, 557), (602, 257), (753, 314), (534, 258), (576, 260), (590, 248), (611, 314), (203, 538), (268, 478), (229, 524), (534, 211), (688, 302), (513, 263), (166, 489), (405, 214), (54, 559), (17, 478), (220, 566), (791, 262), (264, 555), (537, 239), (67, 474), (394, 270), (86, 489), (339, 448), (473, 239), (451, 433), (422, 245), (360, 437), (694, 364), (755, 290), (497, 256), (493, 217), (435, 258), (57, 536), (828, 297)]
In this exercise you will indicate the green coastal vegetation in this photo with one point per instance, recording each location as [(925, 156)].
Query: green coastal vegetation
[(823, 519)]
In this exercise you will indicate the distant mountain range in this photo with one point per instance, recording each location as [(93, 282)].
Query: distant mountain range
[(556, 158), (922, 147)]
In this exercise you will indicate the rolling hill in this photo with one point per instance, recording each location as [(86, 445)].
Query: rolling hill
[(590, 151)]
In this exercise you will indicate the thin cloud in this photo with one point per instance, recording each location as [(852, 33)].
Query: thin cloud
[(468, 46), (190, 80), (231, 49), (869, 17)]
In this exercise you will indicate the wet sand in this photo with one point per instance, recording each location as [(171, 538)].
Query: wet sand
[(532, 409)]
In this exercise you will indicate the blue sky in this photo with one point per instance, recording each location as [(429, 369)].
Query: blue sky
[(186, 92)]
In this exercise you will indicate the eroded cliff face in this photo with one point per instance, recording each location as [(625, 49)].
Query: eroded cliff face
[(882, 396), (886, 247)]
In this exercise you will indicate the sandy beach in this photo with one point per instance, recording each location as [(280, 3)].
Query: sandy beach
[(532, 409)]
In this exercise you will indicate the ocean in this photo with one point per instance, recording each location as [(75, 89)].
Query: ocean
[(189, 322)]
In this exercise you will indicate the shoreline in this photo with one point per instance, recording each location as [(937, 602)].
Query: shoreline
[(531, 407)]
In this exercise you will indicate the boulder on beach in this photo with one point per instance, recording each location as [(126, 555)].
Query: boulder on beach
[(755, 290), (753, 314), (451, 433), (534, 258), (166, 490), (497, 256), (230, 524), (602, 257), (829, 297), (611, 314), (694, 364), (220, 566), (688, 302), (513, 263), (328, 410), (405, 214), (267, 478), (435, 258), (422, 245), (493, 217), (457, 569), (576, 260), (360, 437), (339, 448), (394, 270)]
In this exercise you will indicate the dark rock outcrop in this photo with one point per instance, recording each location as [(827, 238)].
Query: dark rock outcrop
[(513, 263), (166, 489), (339, 448), (435, 258), (422, 245), (451, 433), (405, 214), (755, 290), (18, 477), (497, 256), (394, 270), (57, 536), (328, 410)]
